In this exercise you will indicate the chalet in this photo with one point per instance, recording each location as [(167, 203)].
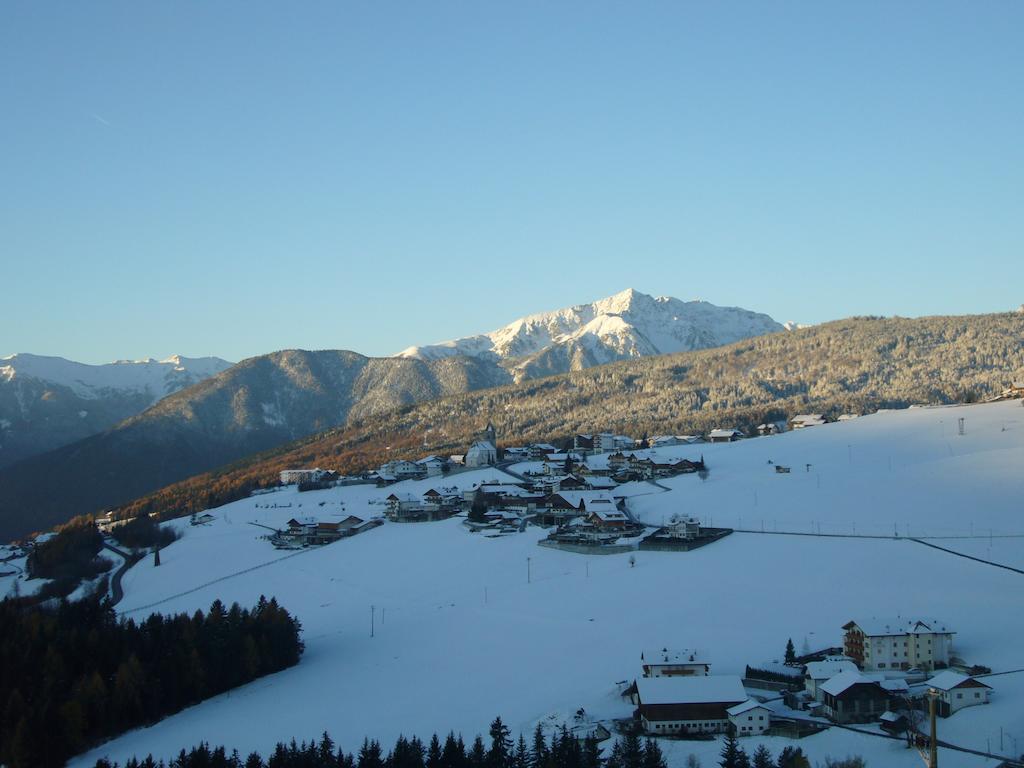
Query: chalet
[(666, 441), (402, 470), (694, 704), (771, 428), (434, 465), (540, 451), (807, 420), (724, 435), (817, 673), (885, 644), (302, 526), (751, 718), (296, 476), (682, 662), (849, 697), (481, 454), (957, 691), (599, 483), (603, 515), (412, 508)]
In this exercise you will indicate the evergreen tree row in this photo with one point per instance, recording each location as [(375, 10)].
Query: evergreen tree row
[(74, 675), (562, 750)]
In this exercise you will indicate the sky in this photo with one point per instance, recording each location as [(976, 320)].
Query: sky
[(233, 178)]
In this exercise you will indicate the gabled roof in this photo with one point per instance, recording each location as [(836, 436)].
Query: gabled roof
[(947, 680), (747, 706), (886, 627), (695, 689), (304, 520), (823, 670), (725, 433), (844, 680)]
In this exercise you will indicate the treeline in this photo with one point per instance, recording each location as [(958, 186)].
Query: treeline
[(856, 365), (562, 750), (74, 675), (143, 532)]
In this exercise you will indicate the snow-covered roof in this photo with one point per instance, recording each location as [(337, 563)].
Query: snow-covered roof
[(432, 460), (304, 520), (890, 717), (885, 627), (808, 418), (695, 689), (482, 445), (605, 510), (675, 656), (506, 489), (587, 497), (947, 680), (746, 706), (836, 685), (823, 670), (601, 482), (724, 432)]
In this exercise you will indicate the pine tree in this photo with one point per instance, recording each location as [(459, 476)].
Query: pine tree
[(632, 751), (790, 651), (521, 756), (653, 758), (477, 757), (763, 758), (500, 752), (434, 753), (793, 757), (730, 753), (539, 753)]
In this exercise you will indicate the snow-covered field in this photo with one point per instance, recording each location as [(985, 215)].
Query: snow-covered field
[(467, 627)]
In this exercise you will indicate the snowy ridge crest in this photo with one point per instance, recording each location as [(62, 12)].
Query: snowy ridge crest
[(629, 324)]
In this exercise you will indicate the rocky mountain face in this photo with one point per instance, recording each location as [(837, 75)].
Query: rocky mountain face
[(47, 402), (627, 325), (253, 406)]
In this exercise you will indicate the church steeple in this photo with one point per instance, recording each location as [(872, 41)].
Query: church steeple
[(490, 434)]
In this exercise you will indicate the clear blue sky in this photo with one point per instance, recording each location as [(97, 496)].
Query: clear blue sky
[(232, 178)]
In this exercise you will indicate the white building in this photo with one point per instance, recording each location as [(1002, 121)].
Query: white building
[(957, 691), (481, 454), (884, 644), (434, 465), (675, 662), (400, 469), (751, 718)]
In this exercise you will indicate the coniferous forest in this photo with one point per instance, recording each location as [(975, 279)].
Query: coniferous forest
[(74, 675)]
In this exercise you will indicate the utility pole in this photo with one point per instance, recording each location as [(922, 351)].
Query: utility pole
[(373, 616), (931, 756), (527, 570)]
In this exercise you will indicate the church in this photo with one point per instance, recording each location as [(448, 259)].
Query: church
[(484, 451)]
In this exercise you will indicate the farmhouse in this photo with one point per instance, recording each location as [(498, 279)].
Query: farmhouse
[(884, 644), (434, 465), (849, 697), (816, 673), (751, 718), (807, 420), (687, 705), (957, 691), (402, 470), (675, 663), (724, 435), (432, 505)]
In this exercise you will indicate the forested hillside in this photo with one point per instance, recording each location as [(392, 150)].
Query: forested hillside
[(856, 365)]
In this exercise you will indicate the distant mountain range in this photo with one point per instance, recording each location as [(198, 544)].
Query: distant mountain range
[(46, 402), (627, 325), (167, 433)]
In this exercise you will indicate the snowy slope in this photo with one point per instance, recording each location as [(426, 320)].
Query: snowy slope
[(628, 324), (156, 378), (460, 634)]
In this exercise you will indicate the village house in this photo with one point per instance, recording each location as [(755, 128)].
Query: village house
[(885, 644), (400, 469), (296, 476), (308, 530), (429, 506), (599, 483), (540, 451), (771, 428), (434, 465), (694, 704), (675, 663), (721, 435), (849, 697), (957, 691), (807, 420), (751, 718), (682, 527), (667, 441), (817, 673)]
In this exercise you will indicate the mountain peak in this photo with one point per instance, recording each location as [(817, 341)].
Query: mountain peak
[(627, 324)]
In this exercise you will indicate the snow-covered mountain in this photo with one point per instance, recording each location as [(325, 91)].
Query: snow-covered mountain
[(157, 378), (627, 325), (46, 402)]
